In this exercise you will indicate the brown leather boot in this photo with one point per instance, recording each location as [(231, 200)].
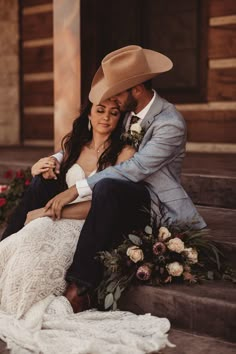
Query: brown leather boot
[(79, 303)]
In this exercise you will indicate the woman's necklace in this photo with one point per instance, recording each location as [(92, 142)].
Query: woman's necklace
[(99, 149)]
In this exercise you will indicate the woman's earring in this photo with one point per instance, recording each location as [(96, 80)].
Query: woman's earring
[(89, 125)]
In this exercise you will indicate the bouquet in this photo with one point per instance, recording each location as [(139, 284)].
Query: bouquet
[(171, 255), (11, 194)]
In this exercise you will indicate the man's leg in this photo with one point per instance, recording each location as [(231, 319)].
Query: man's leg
[(39, 192), (117, 207)]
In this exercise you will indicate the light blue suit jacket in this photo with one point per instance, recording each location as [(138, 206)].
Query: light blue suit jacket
[(158, 164)]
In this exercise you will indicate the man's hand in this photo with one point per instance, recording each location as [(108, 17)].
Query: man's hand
[(59, 201), (49, 167)]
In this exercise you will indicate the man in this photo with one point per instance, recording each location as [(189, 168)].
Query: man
[(124, 76), (152, 175)]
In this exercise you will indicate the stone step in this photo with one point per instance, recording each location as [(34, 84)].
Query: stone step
[(205, 309), (187, 343), (222, 225), (210, 179)]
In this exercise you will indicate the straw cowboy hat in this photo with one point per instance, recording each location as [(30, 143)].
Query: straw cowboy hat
[(125, 68)]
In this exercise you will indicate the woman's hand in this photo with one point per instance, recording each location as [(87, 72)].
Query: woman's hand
[(37, 213), (59, 201), (48, 166)]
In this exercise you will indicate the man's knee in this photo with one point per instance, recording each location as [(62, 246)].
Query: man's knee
[(107, 187)]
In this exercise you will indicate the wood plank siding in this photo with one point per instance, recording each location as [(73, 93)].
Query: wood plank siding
[(37, 71), (215, 122)]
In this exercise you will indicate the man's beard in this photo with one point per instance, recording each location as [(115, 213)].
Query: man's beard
[(131, 103)]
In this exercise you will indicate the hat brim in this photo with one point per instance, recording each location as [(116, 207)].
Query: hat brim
[(100, 91)]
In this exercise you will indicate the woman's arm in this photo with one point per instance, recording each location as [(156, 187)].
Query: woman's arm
[(78, 211)]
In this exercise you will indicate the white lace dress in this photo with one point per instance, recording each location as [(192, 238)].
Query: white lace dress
[(36, 318)]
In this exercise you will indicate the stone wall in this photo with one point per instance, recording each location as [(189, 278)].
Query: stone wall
[(9, 73)]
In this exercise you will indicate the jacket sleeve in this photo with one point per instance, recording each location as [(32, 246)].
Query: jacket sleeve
[(166, 141)]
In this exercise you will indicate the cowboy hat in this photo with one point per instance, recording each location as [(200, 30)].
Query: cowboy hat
[(125, 68)]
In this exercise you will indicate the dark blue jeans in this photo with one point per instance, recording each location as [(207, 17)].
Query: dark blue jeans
[(39, 192), (117, 207)]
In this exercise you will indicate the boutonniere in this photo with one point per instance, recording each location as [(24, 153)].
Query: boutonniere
[(133, 136)]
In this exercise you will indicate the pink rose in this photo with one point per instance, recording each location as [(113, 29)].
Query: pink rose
[(159, 248), (143, 272)]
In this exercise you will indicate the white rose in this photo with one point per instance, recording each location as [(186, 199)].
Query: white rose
[(164, 233), (135, 128), (191, 254), (135, 254), (175, 269), (176, 245)]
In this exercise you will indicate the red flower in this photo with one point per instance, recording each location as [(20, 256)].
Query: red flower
[(8, 174), (27, 182), (19, 174), (3, 188), (2, 201)]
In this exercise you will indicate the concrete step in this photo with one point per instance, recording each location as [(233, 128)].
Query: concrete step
[(206, 309), (210, 179), (187, 343), (222, 225)]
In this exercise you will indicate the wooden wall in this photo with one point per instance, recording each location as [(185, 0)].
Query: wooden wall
[(214, 122), (9, 73), (37, 72)]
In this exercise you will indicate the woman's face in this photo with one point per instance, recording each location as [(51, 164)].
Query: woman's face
[(104, 117)]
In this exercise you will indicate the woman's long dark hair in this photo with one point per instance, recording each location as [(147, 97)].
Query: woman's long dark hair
[(73, 143)]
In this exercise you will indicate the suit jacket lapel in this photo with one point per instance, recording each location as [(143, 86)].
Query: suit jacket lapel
[(154, 110)]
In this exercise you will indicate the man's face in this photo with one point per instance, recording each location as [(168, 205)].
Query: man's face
[(125, 100)]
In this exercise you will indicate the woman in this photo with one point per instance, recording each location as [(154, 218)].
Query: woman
[(34, 315)]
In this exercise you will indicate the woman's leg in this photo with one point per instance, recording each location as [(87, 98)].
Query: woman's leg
[(39, 192), (117, 207)]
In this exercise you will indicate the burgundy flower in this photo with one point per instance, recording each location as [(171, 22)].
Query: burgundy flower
[(143, 272), (3, 201), (27, 182), (19, 174), (8, 174), (159, 248)]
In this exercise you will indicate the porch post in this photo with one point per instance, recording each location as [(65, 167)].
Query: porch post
[(66, 25)]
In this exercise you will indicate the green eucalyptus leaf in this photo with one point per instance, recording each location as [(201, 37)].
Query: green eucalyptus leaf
[(111, 286), (148, 230), (114, 306), (109, 299), (135, 239), (117, 293)]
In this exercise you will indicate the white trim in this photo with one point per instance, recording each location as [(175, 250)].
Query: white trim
[(38, 42), (38, 77), (38, 110), (211, 148), (37, 9), (39, 142), (222, 63), (222, 20), (210, 106)]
